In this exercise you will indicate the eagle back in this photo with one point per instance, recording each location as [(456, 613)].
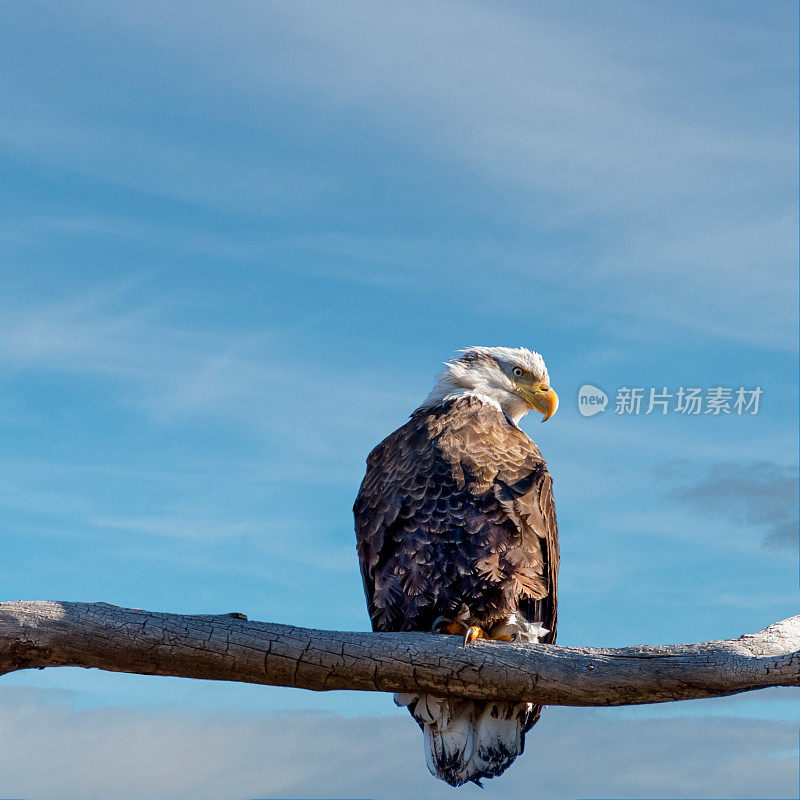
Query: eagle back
[(456, 509)]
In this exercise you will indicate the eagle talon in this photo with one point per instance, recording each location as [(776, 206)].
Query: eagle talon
[(449, 625), (473, 633)]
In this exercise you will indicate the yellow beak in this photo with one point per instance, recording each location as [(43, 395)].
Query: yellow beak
[(544, 400)]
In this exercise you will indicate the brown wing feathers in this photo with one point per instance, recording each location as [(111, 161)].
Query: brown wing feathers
[(456, 507)]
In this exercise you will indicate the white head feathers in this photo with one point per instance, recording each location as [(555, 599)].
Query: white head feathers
[(486, 372)]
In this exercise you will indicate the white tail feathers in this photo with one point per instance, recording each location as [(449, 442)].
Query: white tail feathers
[(448, 746), (466, 740), (499, 736)]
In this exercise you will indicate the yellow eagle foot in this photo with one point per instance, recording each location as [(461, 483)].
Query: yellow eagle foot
[(456, 626), (474, 632)]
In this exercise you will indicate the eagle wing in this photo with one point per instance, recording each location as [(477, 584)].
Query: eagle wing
[(456, 508)]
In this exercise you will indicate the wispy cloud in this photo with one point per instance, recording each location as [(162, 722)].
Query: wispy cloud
[(674, 192), (180, 371)]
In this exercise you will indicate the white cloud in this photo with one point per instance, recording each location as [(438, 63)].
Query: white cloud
[(51, 749)]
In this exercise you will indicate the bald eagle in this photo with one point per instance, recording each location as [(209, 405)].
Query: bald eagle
[(456, 532)]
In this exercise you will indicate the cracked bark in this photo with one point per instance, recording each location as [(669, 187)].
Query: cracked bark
[(38, 634)]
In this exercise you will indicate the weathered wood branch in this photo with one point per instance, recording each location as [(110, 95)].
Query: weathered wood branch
[(231, 648)]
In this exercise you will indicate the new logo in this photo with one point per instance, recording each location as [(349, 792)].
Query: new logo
[(591, 400)]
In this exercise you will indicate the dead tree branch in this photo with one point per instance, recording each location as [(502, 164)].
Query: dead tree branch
[(39, 634)]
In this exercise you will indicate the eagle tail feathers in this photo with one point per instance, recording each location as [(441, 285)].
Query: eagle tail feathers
[(500, 736), (467, 740)]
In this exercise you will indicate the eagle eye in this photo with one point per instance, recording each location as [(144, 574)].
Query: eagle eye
[(517, 372)]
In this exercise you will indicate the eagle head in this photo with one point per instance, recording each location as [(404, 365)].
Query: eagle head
[(514, 378)]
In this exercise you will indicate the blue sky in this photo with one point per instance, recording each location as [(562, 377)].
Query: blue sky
[(238, 241)]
